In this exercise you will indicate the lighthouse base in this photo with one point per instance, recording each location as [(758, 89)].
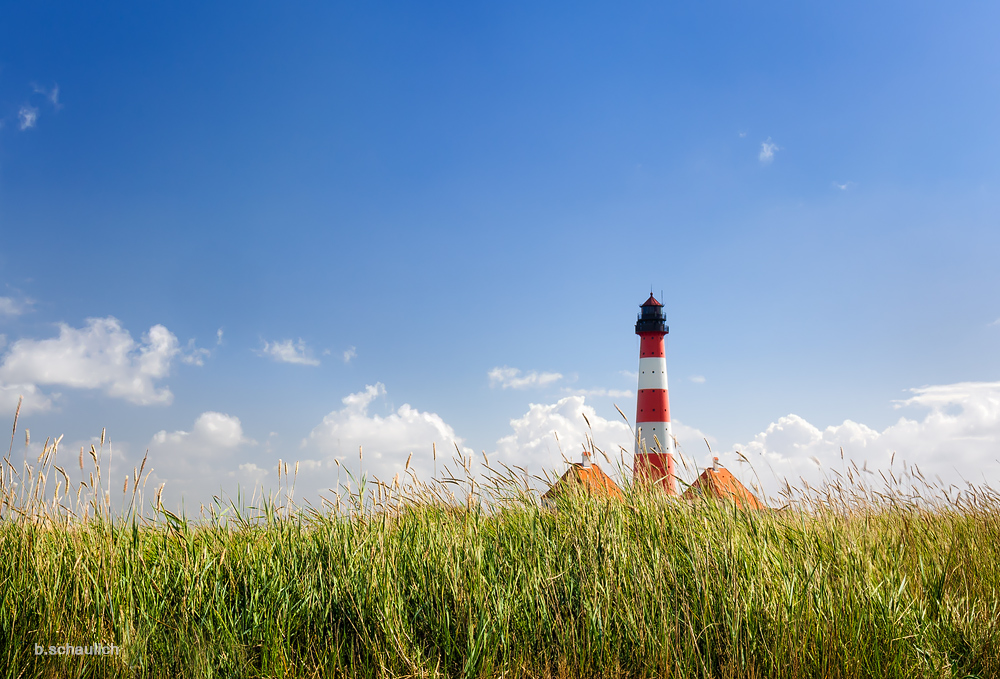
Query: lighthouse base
[(655, 469)]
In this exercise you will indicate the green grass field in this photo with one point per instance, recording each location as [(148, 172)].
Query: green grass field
[(845, 582)]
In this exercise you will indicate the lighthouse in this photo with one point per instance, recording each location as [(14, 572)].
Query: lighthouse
[(654, 450)]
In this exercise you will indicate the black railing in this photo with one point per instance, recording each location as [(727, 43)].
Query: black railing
[(651, 325)]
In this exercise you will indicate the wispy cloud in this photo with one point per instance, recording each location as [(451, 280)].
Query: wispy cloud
[(767, 151), (27, 117), (697, 379), (12, 307), (350, 354), (613, 393), (52, 95), (218, 337), (193, 355), (742, 135), (287, 351), (846, 186), (512, 378), (994, 323)]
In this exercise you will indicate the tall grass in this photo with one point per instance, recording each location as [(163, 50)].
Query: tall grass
[(452, 579)]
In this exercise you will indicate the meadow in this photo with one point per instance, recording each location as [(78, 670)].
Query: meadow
[(469, 576)]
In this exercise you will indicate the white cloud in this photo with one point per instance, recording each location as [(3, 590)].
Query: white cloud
[(533, 444), (957, 439), (27, 117), (12, 307), (994, 323), (101, 355), (193, 355), (211, 433), (387, 441), (511, 378), (845, 186), (350, 354), (287, 351), (742, 135), (197, 464), (767, 150), (218, 337), (33, 399), (697, 379)]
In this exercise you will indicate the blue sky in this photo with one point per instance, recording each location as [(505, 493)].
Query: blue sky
[(445, 189)]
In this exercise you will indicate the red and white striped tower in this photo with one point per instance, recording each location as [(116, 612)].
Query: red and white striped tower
[(654, 451)]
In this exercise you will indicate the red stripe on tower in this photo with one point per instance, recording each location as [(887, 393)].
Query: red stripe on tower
[(654, 450)]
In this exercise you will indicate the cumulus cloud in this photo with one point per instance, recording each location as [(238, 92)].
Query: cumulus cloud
[(216, 457), (211, 433), (533, 444), (387, 441), (101, 355), (512, 378), (956, 440), (27, 117), (205, 461), (767, 151), (287, 351), (350, 354)]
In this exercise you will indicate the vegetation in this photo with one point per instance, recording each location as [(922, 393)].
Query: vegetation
[(402, 580)]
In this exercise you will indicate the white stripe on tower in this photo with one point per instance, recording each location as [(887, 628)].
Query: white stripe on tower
[(653, 372), (654, 459)]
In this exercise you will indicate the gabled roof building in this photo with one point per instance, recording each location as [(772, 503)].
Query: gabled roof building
[(582, 476), (718, 482)]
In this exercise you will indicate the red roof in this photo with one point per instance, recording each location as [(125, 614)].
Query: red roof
[(721, 484), (591, 478), (651, 301)]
